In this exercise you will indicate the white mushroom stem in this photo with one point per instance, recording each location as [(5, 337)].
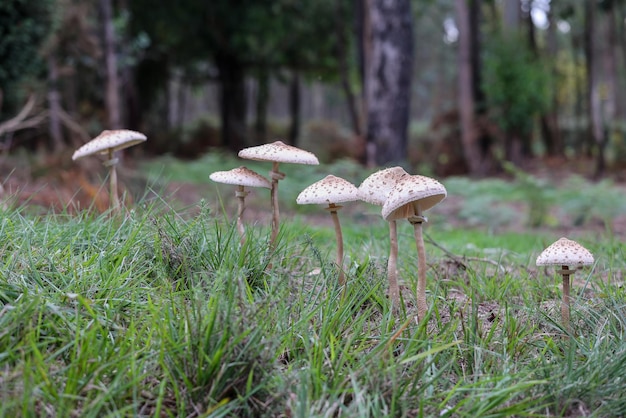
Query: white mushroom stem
[(392, 265), (241, 194), (112, 163), (422, 307), (332, 208), (565, 306), (275, 175)]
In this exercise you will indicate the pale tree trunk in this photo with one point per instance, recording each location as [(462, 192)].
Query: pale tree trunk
[(467, 113), (54, 104), (388, 72), (594, 99), (511, 15), (112, 95), (294, 108)]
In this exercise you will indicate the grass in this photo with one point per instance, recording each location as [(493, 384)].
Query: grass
[(162, 313)]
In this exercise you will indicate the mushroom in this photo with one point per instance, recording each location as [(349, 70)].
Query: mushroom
[(331, 190), (277, 152), (375, 189), (107, 143), (242, 177), (565, 253), (410, 197)]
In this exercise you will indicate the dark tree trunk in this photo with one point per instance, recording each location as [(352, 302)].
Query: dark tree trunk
[(294, 108), (232, 101), (262, 101), (388, 79), (112, 96)]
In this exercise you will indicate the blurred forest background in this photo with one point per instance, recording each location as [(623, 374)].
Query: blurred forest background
[(452, 86)]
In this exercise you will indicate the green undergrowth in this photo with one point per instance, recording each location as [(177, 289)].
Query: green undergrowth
[(161, 312)]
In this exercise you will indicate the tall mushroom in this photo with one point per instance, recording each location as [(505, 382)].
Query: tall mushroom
[(107, 143), (331, 190), (375, 189), (242, 177), (277, 152), (410, 197), (565, 253)]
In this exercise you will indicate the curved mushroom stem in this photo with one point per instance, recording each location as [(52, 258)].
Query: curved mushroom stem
[(422, 307), (333, 212), (241, 194), (275, 175), (392, 265), (111, 163), (565, 306)]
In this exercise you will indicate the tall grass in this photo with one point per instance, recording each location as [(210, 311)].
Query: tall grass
[(161, 313)]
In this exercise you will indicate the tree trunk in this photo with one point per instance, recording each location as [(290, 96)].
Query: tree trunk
[(467, 113), (112, 95), (594, 99), (262, 101), (550, 130), (388, 84), (232, 101), (54, 104), (294, 108)]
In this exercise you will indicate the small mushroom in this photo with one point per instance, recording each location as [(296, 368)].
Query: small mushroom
[(277, 152), (410, 197), (107, 143), (375, 189), (242, 177), (331, 190), (565, 253)]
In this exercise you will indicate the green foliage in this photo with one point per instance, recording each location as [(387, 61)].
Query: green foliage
[(24, 26), (516, 83)]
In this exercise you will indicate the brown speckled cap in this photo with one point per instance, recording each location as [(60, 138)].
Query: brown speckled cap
[(376, 187), (241, 176), (328, 190), (410, 194), (109, 140), (565, 252), (279, 152)]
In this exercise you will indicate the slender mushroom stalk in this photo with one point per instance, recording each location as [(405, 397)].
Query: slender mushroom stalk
[(242, 177), (407, 200), (420, 293), (565, 306), (276, 176), (375, 189), (107, 143), (277, 152), (565, 253), (331, 190)]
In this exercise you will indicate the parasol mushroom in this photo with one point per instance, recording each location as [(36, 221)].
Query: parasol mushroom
[(565, 253), (410, 197), (107, 143), (277, 152), (375, 189), (242, 177), (331, 190)]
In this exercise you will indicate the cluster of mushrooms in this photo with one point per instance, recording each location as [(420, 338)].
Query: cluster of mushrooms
[(401, 195)]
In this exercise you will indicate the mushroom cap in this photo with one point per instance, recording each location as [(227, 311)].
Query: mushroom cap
[(376, 187), (241, 176), (328, 190), (565, 252), (279, 152), (109, 140), (412, 194)]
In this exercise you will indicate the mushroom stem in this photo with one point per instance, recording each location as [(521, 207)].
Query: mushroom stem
[(565, 306), (392, 265), (111, 163), (275, 175), (333, 212), (422, 307), (241, 207)]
